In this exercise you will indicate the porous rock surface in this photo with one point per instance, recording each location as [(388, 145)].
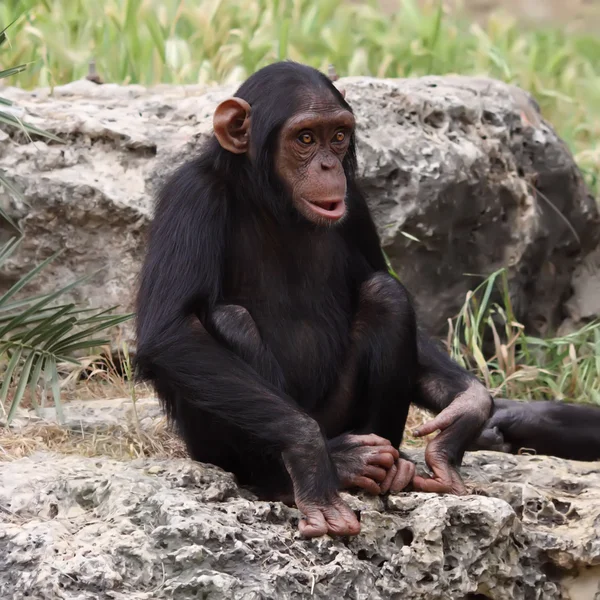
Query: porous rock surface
[(465, 165), (77, 528), (74, 528)]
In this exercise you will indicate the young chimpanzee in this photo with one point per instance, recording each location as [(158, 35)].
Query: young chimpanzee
[(569, 431), (269, 325)]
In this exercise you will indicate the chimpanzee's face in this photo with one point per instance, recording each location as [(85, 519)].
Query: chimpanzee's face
[(311, 149)]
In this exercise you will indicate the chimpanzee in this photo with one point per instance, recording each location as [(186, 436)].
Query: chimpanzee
[(569, 431), (267, 320)]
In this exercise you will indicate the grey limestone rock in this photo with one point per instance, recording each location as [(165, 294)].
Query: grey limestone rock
[(74, 528), (465, 165), (79, 528)]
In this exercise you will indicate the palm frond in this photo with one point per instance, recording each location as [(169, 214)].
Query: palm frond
[(36, 337)]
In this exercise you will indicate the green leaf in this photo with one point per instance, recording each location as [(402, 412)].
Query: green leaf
[(8, 375), (410, 237), (63, 344), (13, 71), (34, 380), (9, 119), (19, 285), (51, 372), (486, 298), (43, 330), (3, 36), (157, 35), (8, 248), (18, 319), (16, 194), (23, 379)]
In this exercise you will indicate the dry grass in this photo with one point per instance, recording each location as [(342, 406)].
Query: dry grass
[(122, 443), (108, 373), (117, 443)]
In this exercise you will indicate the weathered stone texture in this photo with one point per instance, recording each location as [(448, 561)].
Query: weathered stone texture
[(465, 165), (76, 528), (93, 528)]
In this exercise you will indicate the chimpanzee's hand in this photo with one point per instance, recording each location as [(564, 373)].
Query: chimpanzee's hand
[(446, 479), (459, 424), (371, 463)]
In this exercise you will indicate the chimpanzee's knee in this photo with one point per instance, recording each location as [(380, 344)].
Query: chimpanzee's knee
[(234, 323), (235, 327), (386, 299)]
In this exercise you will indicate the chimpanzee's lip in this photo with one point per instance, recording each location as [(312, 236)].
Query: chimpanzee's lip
[(332, 209)]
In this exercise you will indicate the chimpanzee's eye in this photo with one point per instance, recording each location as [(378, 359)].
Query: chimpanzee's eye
[(340, 136), (306, 138)]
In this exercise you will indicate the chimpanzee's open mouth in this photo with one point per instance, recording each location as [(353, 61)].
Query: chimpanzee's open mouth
[(330, 209)]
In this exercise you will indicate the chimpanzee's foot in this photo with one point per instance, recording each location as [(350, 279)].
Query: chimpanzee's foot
[(333, 517)]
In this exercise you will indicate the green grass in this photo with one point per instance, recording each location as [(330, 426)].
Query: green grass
[(522, 366), (189, 41)]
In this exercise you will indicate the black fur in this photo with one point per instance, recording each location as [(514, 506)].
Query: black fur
[(548, 427), (252, 322)]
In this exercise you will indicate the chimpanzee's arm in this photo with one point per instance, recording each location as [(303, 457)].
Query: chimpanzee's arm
[(442, 380), (181, 278), (463, 405), (180, 282), (443, 386)]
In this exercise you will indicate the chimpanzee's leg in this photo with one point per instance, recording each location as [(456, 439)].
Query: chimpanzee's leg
[(234, 327), (375, 390), (212, 440)]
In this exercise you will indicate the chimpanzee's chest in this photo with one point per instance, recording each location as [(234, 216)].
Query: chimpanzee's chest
[(302, 300)]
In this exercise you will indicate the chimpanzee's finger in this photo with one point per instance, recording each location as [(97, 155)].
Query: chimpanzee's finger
[(404, 475), (441, 421)]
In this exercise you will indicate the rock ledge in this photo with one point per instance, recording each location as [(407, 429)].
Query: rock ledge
[(77, 528)]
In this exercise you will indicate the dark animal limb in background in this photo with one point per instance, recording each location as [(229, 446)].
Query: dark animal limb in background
[(548, 427), (268, 323)]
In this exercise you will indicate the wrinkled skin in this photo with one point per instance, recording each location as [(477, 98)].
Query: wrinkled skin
[(312, 147)]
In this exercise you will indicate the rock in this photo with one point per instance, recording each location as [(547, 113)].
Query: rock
[(75, 528), (97, 415), (94, 415), (584, 304), (465, 165)]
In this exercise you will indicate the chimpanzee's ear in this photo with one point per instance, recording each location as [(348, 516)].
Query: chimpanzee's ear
[(231, 124)]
